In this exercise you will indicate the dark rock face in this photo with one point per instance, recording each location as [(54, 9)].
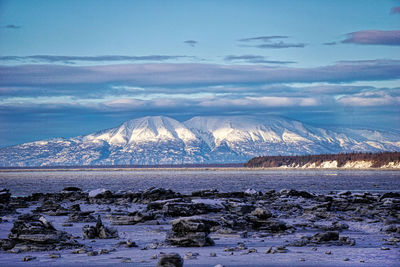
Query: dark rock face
[(330, 237), (71, 189), (170, 260), (191, 232), (153, 194), (33, 232), (98, 231), (52, 209), (175, 209), (130, 218), (4, 195), (5, 198), (324, 237), (81, 216)]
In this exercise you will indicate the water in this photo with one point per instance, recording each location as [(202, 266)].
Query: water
[(22, 183)]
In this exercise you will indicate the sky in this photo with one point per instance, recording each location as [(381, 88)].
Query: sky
[(70, 68)]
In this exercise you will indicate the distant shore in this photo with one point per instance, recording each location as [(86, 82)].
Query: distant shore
[(143, 169)]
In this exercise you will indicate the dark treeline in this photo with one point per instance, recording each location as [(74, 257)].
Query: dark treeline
[(378, 159)]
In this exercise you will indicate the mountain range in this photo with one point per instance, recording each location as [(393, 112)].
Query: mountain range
[(216, 139)]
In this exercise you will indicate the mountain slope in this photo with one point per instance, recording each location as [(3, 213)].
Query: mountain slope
[(163, 140)]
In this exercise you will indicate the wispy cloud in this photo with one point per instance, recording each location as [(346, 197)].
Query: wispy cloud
[(12, 26), (192, 43), (373, 37), (330, 43), (271, 42), (254, 59), (395, 10), (369, 99), (73, 59), (263, 38), (169, 74)]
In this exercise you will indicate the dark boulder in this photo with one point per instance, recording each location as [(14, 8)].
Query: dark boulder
[(98, 231), (191, 232), (170, 260)]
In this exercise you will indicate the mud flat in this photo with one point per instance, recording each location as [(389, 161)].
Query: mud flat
[(205, 228)]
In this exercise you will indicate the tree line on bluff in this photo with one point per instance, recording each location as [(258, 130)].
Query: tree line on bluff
[(378, 159)]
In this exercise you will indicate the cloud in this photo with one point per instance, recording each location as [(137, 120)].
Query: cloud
[(260, 102), (192, 43), (330, 43), (12, 26), (187, 74), (281, 45), (373, 37), (395, 10), (369, 99), (263, 38), (254, 59), (73, 59), (269, 42)]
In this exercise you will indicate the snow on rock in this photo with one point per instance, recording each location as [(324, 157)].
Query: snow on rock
[(98, 192), (357, 164), (251, 191)]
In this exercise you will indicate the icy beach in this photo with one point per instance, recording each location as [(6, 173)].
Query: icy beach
[(206, 227)]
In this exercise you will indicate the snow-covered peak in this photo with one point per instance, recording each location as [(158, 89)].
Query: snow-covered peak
[(249, 128), (217, 139), (146, 129)]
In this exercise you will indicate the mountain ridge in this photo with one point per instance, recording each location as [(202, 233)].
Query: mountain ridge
[(156, 140)]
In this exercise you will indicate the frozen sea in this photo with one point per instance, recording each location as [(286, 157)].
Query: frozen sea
[(23, 183)]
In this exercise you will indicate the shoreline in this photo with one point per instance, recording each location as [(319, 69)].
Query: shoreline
[(168, 169)]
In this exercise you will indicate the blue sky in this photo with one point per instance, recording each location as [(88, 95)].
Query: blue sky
[(73, 67)]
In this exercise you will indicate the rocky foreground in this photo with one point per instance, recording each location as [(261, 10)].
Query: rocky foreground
[(164, 228)]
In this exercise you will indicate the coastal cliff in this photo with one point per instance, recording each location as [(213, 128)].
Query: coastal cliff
[(384, 160)]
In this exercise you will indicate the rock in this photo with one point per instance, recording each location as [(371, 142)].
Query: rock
[(191, 255), (261, 213), (130, 218), (175, 209), (5, 196), (153, 193), (92, 253), (33, 232), (190, 232), (71, 189), (28, 258), (7, 244), (390, 195), (344, 193), (281, 249), (213, 254), (295, 193), (240, 208), (74, 208), (335, 226), (251, 192), (170, 260), (100, 193), (126, 260), (324, 237), (81, 216), (52, 209), (98, 231), (54, 255)]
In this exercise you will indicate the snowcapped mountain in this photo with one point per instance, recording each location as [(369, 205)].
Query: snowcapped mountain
[(163, 140)]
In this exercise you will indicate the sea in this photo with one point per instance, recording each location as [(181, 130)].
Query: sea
[(24, 182)]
